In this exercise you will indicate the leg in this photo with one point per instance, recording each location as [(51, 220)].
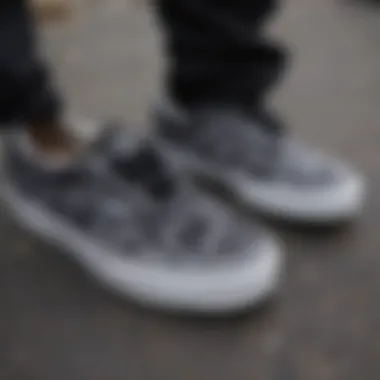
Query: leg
[(221, 68), (217, 50), (27, 96)]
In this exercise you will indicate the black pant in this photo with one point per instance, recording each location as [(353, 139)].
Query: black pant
[(25, 92), (215, 48)]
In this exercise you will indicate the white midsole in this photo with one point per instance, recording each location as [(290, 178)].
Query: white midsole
[(218, 290)]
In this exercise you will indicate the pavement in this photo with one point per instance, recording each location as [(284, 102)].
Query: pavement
[(58, 324)]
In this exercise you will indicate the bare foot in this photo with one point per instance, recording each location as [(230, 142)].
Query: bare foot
[(53, 139)]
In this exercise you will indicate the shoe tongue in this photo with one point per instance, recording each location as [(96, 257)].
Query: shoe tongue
[(134, 159)]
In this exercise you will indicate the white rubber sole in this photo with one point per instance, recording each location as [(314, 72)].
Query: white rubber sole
[(333, 205), (222, 290)]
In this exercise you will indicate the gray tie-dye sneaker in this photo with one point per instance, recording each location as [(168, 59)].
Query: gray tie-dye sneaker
[(140, 229), (249, 152)]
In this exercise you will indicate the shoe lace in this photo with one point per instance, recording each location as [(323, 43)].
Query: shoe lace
[(146, 168)]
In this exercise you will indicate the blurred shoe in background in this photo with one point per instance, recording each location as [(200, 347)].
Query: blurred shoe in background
[(266, 167)]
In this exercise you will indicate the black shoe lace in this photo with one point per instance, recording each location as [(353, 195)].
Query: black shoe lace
[(147, 168)]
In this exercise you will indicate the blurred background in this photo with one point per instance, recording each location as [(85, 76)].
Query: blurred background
[(57, 324)]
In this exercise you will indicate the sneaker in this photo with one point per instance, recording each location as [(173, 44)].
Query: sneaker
[(140, 229), (270, 170)]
